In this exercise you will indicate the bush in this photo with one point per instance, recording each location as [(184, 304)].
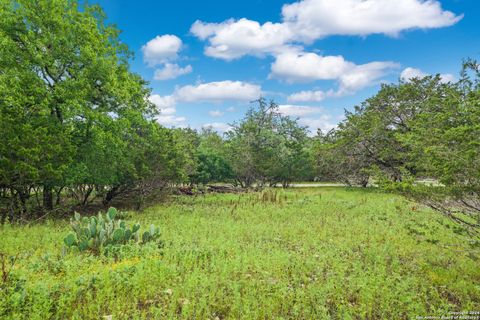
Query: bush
[(95, 233)]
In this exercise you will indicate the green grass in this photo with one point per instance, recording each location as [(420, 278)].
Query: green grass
[(310, 254)]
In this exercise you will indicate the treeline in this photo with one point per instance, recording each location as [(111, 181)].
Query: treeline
[(413, 131), (76, 125), (74, 121)]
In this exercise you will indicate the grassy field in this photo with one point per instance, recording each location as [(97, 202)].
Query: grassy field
[(307, 254)]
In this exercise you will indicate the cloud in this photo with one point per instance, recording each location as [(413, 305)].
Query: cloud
[(218, 91), (312, 117), (233, 39), (361, 76), (308, 96), (161, 49), (171, 121), (305, 21), (171, 71), (447, 77), (204, 30), (314, 19), (219, 126), (165, 105), (323, 122), (204, 92), (411, 73), (308, 67), (298, 111), (216, 113)]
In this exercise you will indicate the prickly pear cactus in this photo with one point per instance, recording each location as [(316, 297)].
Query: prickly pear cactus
[(94, 233), (151, 235)]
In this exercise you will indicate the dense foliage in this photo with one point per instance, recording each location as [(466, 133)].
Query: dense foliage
[(273, 148), (74, 120), (407, 132), (77, 127)]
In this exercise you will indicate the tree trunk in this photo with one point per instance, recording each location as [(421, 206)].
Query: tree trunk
[(58, 196), (110, 195), (23, 196), (47, 197), (3, 219), (87, 195), (13, 205)]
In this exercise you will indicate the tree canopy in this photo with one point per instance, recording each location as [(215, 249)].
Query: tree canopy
[(411, 131)]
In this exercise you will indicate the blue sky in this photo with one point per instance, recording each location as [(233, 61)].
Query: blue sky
[(205, 60)]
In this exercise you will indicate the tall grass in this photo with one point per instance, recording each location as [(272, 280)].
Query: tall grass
[(298, 254)]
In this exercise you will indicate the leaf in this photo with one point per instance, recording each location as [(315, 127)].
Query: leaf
[(101, 237), (118, 235), (128, 234), (146, 236), (70, 239), (85, 232), (83, 245), (112, 212), (135, 227), (93, 229)]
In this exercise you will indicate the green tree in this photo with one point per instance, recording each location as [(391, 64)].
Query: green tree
[(67, 98), (445, 143), (371, 139), (267, 147), (212, 165)]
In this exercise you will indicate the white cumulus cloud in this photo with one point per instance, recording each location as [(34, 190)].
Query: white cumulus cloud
[(309, 67), (171, 71), (314, 19), (207, 92), (448, 77), (414, 73), (172, 121), (361, 76), (165, 104), (312, 117), (308, 96), (233, 39), (411, 73), (309, 20), (161, 49), (218, 91), (323, 122), (298, 111)]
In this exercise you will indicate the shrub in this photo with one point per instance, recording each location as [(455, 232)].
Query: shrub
[(95, 233)]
